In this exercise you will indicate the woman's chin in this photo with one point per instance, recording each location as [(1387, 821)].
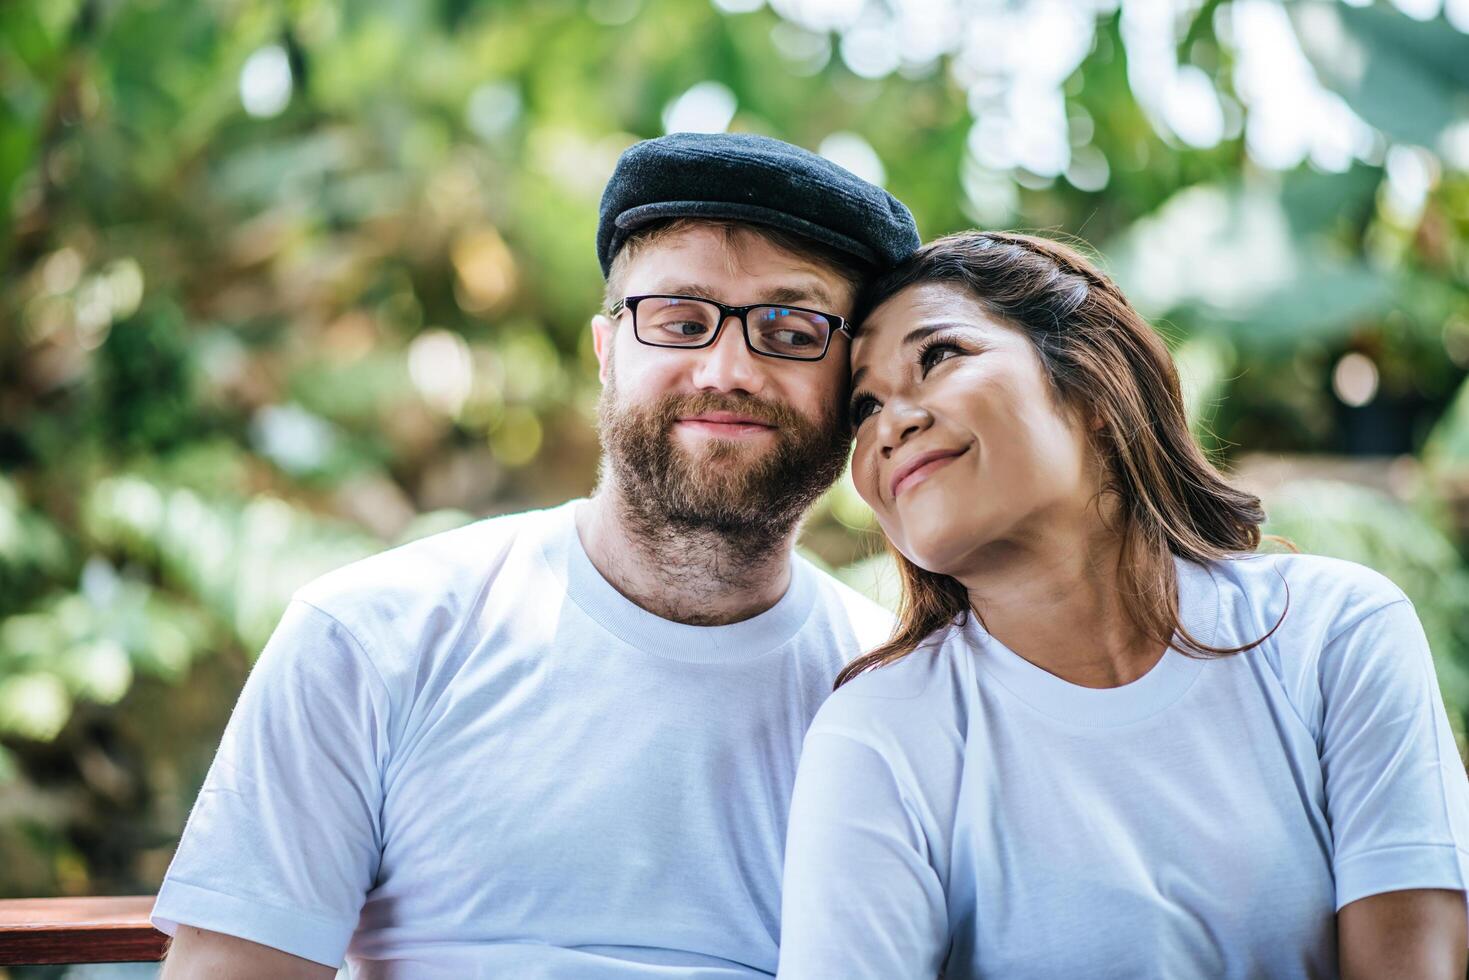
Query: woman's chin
[(940, 554), (948, 543)]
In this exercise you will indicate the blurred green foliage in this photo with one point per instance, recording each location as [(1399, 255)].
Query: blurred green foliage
[(288, 282)]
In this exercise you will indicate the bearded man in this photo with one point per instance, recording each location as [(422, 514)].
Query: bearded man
[(561, 744)]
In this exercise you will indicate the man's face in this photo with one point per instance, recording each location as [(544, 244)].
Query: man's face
[(721, 438)]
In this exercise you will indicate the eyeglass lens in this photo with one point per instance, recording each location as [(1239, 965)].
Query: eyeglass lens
[(677, 322)]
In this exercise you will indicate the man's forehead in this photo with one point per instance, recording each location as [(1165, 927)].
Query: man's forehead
[(739, 269)]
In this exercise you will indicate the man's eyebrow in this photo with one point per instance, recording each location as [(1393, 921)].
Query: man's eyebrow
[(812, 293), (697, 290), (911, 337), (798, 296)]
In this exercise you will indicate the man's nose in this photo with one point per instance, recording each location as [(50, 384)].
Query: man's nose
[(728, 364)]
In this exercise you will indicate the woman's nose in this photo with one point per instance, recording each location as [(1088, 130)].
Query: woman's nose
[(900, 421)]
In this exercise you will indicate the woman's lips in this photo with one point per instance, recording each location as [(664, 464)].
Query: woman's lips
[(918, 469)]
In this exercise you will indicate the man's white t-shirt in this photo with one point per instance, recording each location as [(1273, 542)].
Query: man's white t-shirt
[(472, 757), (1205, 820)]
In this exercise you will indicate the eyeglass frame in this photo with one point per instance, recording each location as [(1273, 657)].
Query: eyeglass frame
[(836, 322)]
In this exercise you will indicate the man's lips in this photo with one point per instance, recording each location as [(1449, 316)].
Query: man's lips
[(726, 424), (920, 466)]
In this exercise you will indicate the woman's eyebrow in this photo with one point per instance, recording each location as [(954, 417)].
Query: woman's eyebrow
[(918, 333), (912, 337)]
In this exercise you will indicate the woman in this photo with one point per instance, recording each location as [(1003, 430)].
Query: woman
[(1106, 740)]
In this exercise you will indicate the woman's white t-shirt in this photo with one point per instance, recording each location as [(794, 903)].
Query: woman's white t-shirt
[(965, 807)]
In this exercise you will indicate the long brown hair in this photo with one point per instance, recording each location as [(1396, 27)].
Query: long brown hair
[(1104, 359)]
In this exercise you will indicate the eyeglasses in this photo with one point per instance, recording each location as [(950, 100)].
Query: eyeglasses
[(790, 332)]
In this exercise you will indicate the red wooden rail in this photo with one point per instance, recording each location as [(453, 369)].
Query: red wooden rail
[(78, 930)]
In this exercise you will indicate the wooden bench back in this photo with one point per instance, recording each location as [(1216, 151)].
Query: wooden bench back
[(78, 930)]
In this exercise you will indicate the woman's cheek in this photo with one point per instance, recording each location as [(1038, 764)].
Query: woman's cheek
[(864, 468)]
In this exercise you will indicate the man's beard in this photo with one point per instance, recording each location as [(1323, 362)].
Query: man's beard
[(751, 496)]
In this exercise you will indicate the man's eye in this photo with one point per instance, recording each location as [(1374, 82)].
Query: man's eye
[(794, 338)]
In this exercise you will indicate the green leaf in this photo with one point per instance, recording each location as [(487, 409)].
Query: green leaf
[(33, 706), (1406, 77)]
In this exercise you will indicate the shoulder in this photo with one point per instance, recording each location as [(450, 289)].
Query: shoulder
[(858, 623), (1313, 597), (1327, 624), (1335, 578), (419, 596), (910, 705), (439, 565)]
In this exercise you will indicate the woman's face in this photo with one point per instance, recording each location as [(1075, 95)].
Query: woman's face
[(962, 447)]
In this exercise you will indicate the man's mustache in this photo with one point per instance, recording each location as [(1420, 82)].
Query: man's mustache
[(670, 408)]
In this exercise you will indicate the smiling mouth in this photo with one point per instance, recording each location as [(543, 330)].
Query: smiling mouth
[(927, 465)]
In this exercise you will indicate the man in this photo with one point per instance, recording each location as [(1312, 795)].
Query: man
[(562, 744)]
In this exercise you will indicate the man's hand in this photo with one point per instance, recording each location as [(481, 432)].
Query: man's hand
[(199, 953), (1407, 935)]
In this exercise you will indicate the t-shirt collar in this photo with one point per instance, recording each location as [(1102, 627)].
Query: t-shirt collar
[(594, 595), (1161, 686)]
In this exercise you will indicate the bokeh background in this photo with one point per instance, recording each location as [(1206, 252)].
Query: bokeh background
[(285, 283)]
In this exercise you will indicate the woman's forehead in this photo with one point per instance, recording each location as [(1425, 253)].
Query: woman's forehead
[(921, 302)]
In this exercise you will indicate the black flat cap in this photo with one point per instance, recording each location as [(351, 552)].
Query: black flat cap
[(752, 178)]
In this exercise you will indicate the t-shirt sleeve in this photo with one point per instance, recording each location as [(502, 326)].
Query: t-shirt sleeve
[(1396, 793), (861, 899), (283, 842)]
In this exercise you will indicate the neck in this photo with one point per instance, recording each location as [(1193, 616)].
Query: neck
[(1054, 598), (697, 577)]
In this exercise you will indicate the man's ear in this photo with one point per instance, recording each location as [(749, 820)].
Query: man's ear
[(603, 330)]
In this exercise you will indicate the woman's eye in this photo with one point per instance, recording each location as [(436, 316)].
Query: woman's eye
[(862, 407), (935, 354)]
